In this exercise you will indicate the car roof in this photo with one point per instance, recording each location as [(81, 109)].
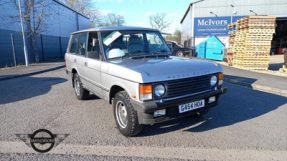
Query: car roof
[(115, 28)]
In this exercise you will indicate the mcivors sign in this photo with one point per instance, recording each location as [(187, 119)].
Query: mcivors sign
[(208, 26)]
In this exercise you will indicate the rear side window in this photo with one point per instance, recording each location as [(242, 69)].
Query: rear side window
[(82, 44), (74, 41)]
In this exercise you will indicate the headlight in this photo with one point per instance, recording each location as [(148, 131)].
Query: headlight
[(159, 90), (213, 80)]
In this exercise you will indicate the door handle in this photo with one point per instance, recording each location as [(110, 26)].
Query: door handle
[(86, 63), (75, 60)]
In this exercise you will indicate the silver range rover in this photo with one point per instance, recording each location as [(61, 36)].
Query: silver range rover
[(134, 70)]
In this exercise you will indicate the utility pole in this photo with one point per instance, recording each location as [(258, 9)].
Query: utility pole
[(23, 34)]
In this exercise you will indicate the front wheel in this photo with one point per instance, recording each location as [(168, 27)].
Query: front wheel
[(125, 116)]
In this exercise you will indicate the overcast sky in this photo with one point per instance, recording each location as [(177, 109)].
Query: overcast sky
[(136, 11)]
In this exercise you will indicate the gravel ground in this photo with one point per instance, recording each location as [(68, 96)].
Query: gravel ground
[(245, 120)]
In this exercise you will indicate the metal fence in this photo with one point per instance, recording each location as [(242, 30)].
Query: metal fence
[(189, 42), (12, 52)]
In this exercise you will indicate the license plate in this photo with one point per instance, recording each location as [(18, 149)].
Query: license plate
[(191, 106)]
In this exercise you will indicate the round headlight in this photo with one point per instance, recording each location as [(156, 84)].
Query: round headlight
[(213, 80), (159, 90)]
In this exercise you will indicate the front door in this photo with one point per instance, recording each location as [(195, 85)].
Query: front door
[(93, 64)]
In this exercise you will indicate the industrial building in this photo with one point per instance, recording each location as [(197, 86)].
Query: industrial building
[(53, 36), (205, 18)]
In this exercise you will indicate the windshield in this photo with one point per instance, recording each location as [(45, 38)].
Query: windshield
[(133, 43)]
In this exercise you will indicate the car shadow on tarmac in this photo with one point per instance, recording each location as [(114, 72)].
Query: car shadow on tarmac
[(28, 87), (237, 105)]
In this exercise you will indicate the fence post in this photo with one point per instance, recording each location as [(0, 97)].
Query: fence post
[(13, 47), (193, 45), (61, 47), (43, 56)]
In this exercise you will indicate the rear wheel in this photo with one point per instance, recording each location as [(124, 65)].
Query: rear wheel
[(80, 91), (179, 53), (125, 115)]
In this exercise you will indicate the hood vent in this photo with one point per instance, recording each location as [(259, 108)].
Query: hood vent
[(150, 56)]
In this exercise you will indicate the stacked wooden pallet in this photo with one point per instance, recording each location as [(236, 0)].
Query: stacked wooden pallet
[(252, 43), (232, 34)]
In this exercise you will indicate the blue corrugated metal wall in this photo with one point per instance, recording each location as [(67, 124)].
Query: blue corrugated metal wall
[(51, 48), (62, 24)]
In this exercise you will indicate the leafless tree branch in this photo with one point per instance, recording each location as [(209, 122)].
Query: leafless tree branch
[(159, 21)]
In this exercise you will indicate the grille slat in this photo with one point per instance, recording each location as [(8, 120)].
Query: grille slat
[(186, 86), (187, 81)]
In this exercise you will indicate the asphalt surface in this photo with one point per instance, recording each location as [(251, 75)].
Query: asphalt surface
[(247, 125), (249, 77)]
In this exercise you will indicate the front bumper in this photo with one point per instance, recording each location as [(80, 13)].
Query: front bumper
[(146, 110)]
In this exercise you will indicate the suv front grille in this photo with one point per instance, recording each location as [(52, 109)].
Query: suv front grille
[(186, 86)]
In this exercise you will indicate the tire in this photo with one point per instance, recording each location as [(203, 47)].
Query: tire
[(180, 53), (125, 115), (80, 91), (201, 113)]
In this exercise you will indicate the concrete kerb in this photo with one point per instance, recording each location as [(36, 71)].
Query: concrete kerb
[(257, 87)]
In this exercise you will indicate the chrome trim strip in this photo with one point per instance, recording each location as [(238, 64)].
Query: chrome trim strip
[(94, 83), (169, 99)]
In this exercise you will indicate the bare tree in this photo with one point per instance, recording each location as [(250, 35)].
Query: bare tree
[(110, 19), (115, 20), (33, 14), (159, 21), (176, 36), (85, 7)]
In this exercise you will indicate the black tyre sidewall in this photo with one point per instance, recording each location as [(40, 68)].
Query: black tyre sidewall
[(177, 54), (83, 93), (120, 97)]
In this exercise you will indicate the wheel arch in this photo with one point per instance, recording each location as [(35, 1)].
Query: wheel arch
[(115, 89)]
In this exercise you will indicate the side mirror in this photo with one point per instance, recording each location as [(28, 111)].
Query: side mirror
[(113, 53)]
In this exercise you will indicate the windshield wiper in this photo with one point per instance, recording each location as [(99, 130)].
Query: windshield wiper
[(129, 53), (160, 51)]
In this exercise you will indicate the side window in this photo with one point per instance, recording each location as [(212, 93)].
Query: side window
[(93, 46), (74, 42), (82, 44)]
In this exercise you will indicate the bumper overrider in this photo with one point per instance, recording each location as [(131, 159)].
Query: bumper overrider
[(146, 110)]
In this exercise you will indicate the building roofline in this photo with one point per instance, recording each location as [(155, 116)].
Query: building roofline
[(189, 8), (70, 8)]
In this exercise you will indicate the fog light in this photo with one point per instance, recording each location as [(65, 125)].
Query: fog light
[(159, 113), (211, 99)]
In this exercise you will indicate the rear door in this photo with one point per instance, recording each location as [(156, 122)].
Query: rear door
[(80, 56), (71, 51)]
